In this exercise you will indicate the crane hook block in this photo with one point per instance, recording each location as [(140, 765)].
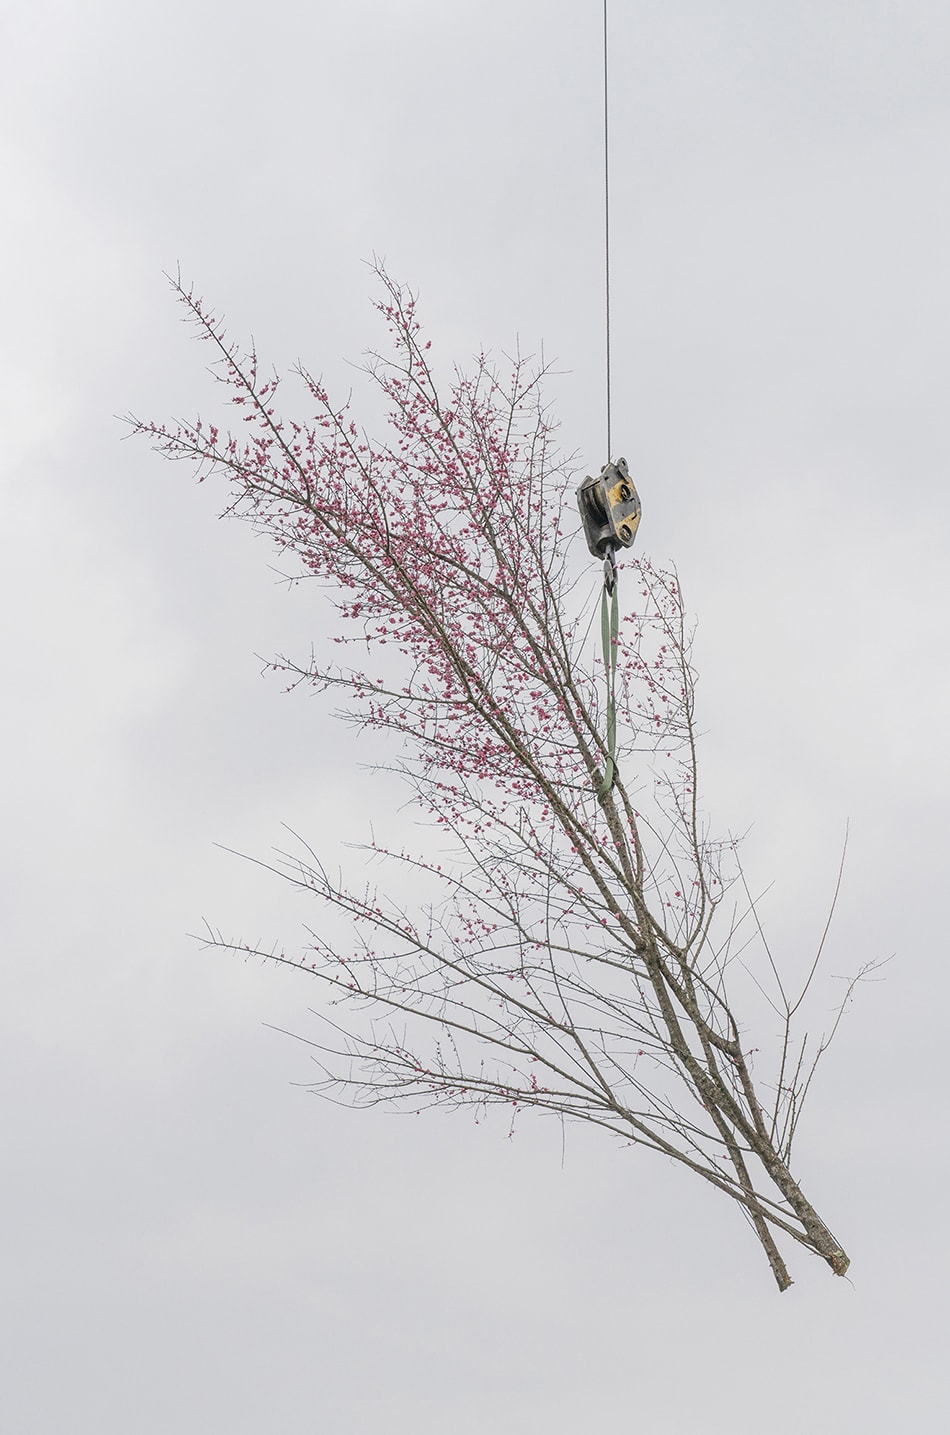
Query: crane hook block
[(610, 509)]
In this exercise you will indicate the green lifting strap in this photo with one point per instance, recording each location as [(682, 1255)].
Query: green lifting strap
[(609, 632)]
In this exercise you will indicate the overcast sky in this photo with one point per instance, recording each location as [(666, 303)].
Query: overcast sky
[(193, 1242)]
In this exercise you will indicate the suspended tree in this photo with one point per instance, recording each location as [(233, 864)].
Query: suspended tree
[(580, 945)]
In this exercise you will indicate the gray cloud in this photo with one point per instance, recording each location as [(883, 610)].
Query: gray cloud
[(194, 1244)]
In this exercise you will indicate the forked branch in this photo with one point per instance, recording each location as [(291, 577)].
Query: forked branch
[(562, 947)]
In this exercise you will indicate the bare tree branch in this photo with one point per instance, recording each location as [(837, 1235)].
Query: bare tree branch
[(574, 954)]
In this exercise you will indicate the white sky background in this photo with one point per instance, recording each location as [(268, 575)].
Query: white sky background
[(192, 1244)]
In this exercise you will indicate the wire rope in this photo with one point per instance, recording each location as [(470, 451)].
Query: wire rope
[(607, 227)]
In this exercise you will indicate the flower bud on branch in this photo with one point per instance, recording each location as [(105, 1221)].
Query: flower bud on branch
[(573, 955)]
